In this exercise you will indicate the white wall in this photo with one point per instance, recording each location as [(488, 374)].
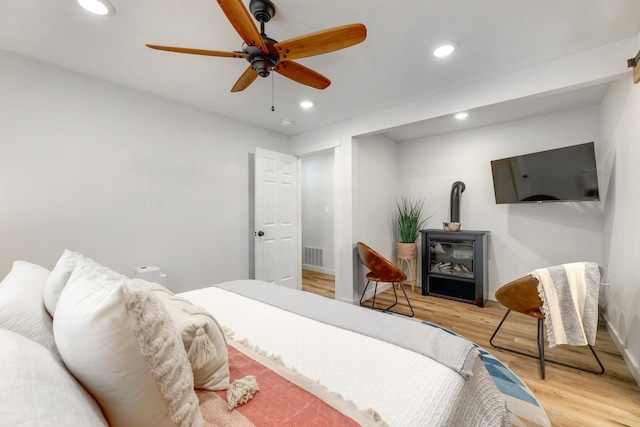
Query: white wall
[(377, 178), (125, 178), (375, 195), (318, 207), (523, 237), (597, 65), (621, 179)]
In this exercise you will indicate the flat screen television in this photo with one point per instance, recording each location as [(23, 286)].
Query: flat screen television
[(565, 174)]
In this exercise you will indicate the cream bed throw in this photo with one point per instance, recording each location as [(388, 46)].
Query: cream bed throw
[(569, 294)]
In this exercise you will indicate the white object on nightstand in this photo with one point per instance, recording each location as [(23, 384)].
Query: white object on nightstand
[(151, 273)]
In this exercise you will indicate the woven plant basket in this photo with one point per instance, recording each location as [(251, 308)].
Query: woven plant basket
[(407, 250)]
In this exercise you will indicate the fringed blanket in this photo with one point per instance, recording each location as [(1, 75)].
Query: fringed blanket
[(569, 294), (285, 398)]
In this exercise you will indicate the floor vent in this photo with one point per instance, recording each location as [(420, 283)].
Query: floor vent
[(313, 256)]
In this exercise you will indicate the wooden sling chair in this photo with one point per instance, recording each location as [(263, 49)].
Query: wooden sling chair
[(382, 270), (521, 295)]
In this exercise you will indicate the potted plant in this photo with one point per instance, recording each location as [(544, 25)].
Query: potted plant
[(408, 221)]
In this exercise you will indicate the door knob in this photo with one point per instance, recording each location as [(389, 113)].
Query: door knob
[(260, 233)]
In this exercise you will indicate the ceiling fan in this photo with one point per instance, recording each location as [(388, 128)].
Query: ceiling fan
[(265, 54)]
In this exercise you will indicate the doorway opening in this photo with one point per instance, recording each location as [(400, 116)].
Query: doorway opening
[(317, 219)]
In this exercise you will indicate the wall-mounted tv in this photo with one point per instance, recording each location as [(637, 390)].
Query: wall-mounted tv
[(559, 175)]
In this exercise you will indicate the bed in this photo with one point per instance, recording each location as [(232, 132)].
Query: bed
[(347, 350), (84, 345)]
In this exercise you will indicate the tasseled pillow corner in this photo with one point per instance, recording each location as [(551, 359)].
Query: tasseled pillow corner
[(202, 350), (240, 391)]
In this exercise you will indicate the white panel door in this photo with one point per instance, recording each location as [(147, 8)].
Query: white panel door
[(276, 218)]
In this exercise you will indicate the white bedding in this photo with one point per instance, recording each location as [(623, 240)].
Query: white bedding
[(403, 387)]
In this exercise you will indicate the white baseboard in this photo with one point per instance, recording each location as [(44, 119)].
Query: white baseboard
[(632, 364), (318, 269)]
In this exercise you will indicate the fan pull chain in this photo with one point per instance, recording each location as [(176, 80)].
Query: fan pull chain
[(272, 90)]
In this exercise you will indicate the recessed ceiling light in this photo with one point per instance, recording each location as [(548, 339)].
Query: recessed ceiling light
[(99, 7), (445, 49), (462, 115), (306, 104), (287, 122)]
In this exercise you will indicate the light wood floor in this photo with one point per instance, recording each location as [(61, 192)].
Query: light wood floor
[(569, 396)]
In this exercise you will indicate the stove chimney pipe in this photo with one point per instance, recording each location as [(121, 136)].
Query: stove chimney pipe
[(456, 191)]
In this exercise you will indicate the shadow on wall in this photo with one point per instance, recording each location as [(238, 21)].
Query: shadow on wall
[(622, 327), (252, 217), (358, 273), (633, 339), (582, 215), (551, 231), (608, 212), (633, 333)]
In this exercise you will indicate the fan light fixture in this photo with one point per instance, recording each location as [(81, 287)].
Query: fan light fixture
[(306, 104), (445, 50), (99, 7), (462, 115)]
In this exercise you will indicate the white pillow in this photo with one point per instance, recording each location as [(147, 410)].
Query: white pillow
[(59, 277), (21, 306), (119, 341), (37, 390), (208, 356)]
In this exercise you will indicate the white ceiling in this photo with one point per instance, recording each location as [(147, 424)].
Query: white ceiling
[(502, 112), (393, 66)]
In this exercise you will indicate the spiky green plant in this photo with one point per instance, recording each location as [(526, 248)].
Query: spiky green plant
[(409, 219)]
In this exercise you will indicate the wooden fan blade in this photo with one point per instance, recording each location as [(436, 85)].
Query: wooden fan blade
[(321, 42), (240, 19), (245, 79), (199, 51), (302, 74)]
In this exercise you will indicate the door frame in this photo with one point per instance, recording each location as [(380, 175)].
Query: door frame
[(343, 205)]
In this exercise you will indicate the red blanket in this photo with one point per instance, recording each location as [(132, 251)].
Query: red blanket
[(279, 402)]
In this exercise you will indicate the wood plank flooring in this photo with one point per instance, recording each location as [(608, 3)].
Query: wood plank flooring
[(569, 396)]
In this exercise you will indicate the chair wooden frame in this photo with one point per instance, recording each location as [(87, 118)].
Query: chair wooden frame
[(521, 295), (382, 270)]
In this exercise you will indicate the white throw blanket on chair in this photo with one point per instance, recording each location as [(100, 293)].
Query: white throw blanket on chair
[(569, 294)]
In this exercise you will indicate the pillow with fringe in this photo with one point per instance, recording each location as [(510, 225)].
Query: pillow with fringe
[(119, 341), (202, 336)]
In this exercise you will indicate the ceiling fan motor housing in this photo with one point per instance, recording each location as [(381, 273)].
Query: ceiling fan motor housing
[(262, 62)]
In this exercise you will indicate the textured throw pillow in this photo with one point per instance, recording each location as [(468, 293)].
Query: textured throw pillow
[(119, 341), (21, 306), (59, 277), (202, 337), (37, 390)]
